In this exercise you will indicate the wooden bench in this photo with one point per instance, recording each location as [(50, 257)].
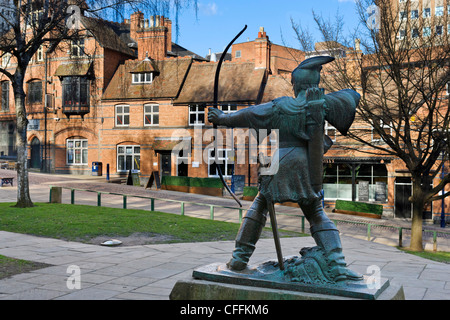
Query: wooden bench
[(6, 181)]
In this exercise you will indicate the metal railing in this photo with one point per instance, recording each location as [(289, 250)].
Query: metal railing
[(369, 226)]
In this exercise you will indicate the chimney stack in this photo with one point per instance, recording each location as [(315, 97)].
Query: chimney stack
[(152, 35), (262, 51)]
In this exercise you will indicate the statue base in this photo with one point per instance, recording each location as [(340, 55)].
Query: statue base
[(268, 282)]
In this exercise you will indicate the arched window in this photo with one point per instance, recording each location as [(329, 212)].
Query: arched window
[(77, 151), (128, 158)]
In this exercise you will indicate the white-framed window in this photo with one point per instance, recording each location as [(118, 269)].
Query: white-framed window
[(6, 59), (426, 31), (330, 131), (35, 18), (439, 30), (224, 161), (77, 152), (401, 35), (229, 108), (122, 115), (128, 158), (139, 78), (77, 48), (196, 115), (238, 54), (415, 33), (40, 54), (426, 12), (151, 114), (403, 15), (439, 11), (414, 14), (376, 137)]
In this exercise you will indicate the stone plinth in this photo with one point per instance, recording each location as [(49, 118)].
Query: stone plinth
[(217, 282)]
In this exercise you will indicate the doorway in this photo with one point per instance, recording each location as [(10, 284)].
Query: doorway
[(403, 190), (35, 161), (166, 164)]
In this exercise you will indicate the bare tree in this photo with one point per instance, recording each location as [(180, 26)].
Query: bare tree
[(400, 66), (30, 24)]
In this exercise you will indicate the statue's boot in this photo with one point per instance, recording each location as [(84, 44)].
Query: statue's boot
[(249, 233), (327, 237)]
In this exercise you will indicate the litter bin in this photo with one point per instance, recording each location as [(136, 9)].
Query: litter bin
[(97, 168)]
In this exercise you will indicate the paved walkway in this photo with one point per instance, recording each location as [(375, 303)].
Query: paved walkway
[(150, 271)]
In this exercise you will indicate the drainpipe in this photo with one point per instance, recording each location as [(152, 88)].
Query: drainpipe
[(443, 199), (45, 158)]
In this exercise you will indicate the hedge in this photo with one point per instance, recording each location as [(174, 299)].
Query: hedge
[(205, 182), (191, 182), (359, 207), (250, 191), (175, 181)]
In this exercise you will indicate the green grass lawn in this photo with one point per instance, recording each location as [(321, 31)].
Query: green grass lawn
[(439, 256), (10, 266), (83, 223)]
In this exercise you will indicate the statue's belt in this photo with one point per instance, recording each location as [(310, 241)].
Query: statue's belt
[(292, 144)]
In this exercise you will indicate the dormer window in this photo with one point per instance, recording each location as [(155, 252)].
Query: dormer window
[(77, 48), (144, 72), (140, 78)]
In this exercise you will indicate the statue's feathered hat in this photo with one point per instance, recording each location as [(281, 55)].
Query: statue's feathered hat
[(307, 74)]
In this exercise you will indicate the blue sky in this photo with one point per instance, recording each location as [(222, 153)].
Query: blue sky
[(218, 21)]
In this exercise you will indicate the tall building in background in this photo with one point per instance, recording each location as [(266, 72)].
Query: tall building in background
[(419, 20)]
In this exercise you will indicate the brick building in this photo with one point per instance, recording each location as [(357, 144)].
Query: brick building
[(125, 95)]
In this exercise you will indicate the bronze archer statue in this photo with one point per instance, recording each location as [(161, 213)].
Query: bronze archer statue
[(302, 144)]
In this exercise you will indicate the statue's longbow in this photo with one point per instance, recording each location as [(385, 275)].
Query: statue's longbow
[(215, 105), (271, 207)]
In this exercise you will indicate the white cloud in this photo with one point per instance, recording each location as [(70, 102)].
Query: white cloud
[(209, 9)]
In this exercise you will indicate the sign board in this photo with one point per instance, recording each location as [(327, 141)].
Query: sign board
[(239, 183), (154, 178), (380, 191), (363, 191), (133, 178), (34, 125)]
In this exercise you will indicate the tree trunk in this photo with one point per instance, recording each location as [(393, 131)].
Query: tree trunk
[(23, 191), (417, 219)]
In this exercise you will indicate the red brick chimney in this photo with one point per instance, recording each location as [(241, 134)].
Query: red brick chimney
[(153, 37), (262, 50)]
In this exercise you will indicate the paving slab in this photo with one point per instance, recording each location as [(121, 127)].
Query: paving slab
[(151, 277)]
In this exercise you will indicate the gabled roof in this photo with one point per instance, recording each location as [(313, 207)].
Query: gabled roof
[(109, 35), (276, 87), (172, 73), (145, 66), (179, 51), (239, 82)]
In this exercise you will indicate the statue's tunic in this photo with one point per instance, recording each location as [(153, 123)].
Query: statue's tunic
[(291, 183)]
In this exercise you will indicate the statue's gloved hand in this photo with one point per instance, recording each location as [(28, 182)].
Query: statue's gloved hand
[(313, 94), (215, 116)]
